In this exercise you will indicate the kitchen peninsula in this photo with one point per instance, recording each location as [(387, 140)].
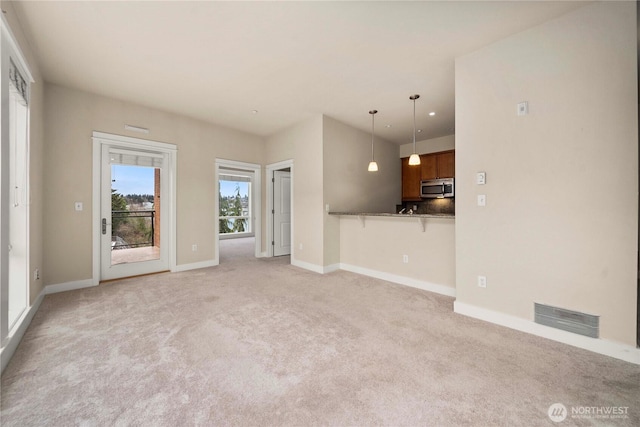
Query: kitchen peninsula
[(412, 249)]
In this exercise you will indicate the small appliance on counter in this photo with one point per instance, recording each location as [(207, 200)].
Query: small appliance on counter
[(437, 188)]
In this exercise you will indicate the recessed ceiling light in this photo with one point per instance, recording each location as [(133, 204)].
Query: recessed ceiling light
[(433, 113), (419, 130), (254, 111), (387, 126)]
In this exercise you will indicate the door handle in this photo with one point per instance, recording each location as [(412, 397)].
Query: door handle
[(104, 225)]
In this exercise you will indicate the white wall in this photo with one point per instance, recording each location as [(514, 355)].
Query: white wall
[(377, 248), (560, 225), (70, 118), (303, 143), (427, 146), (348, 186), (330, 167)]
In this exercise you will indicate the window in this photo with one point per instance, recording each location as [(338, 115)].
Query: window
[(14, 191), (18, 216), (235, 205)]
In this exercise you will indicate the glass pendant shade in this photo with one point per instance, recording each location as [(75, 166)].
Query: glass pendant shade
[(373, 166), (414, 160)]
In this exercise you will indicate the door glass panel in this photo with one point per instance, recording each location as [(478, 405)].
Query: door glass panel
[(135, 213)]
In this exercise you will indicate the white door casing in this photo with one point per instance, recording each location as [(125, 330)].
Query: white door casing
[(281, 213), (104, 145)]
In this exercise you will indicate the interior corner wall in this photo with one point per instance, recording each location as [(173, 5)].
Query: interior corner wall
[(303, 143), (277, 148), (36, 153), (70, 118), (560, 224), (427, 146), (36, 186), (348, 186)]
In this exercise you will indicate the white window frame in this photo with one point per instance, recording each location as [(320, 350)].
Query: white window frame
[(10, 51)]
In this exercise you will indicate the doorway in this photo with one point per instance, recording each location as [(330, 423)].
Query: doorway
[(134, 182), (238, 222), (236, 213), (280, 208)]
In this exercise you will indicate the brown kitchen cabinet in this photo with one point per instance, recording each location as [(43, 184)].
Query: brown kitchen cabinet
[(432, 166), (438, 165), (411, 176)]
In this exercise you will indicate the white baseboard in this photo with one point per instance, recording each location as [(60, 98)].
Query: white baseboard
[(402, 280), (235, 236), (330, 268), (69, 286), (196, 265), (608, 348), (314, 267), (6, 352)]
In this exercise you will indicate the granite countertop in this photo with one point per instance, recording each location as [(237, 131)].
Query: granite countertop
[(448, 216)]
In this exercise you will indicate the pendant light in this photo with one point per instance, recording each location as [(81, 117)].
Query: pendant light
[(373, 166), (414, 160)]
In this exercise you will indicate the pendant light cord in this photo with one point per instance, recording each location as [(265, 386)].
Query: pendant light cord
[(414, 125), (373, 119)]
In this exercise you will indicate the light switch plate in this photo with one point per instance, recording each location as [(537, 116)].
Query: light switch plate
[(481, 178), (482, 281), (79, 206)]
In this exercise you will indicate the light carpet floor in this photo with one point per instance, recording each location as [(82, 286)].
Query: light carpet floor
[(257, 342)]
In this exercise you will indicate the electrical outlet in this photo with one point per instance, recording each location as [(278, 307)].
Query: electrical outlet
[(482, 281), (194, 248), (405, 259), (36, 274), (78, 206), (482, 200), (523, 108)]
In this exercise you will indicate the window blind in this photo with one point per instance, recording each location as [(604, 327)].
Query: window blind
[(234, 178), (18, 83), (135, 158)]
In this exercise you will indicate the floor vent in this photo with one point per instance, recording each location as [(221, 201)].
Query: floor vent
[(572, 321)]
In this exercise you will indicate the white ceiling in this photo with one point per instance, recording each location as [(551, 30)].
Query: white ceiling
[(218, 61)]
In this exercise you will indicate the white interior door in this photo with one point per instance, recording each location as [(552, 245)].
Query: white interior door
[(281, 213), (134, 223)]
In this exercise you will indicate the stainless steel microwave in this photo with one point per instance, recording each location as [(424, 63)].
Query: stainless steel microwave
[(437, 188)]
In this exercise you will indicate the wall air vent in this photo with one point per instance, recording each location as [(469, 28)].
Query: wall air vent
[(567, 320)]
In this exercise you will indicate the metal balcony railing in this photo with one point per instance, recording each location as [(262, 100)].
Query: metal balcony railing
[(126, 234), (231, 219)]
